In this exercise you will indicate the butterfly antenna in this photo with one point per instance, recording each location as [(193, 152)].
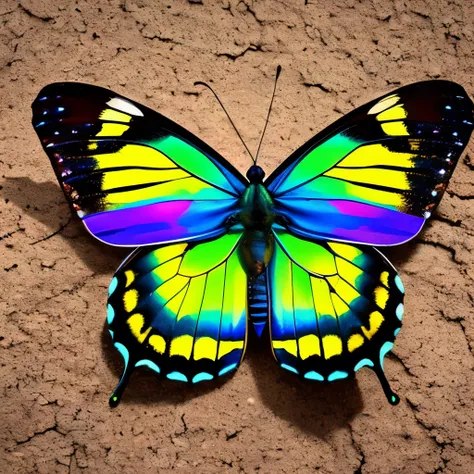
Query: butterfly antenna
[(199, 83), (269, 110)]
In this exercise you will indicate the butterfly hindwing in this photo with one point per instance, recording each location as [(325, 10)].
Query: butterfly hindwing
[(181, 310), (334, 308), (134, 176), (377, 174)]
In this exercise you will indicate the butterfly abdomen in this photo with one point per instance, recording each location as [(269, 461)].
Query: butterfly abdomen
[(257, 249), (258, 303)]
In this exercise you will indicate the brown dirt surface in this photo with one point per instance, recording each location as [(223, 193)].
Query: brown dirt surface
[(57, 363)]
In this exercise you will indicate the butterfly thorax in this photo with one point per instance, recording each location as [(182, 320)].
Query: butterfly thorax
[(257, 216)]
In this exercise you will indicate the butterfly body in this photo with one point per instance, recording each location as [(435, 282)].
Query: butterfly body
[(218, 250), (257, 217)]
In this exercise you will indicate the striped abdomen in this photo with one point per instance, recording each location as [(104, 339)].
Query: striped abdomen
[(258, 303)]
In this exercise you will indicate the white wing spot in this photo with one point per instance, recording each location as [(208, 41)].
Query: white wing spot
[(124, 106)]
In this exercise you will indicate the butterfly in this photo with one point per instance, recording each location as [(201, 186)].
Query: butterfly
[(218, 252)]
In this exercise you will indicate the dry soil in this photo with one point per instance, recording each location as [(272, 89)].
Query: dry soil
[(57, 362)]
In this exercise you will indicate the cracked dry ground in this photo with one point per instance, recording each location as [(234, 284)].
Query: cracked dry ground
[(57, 362)]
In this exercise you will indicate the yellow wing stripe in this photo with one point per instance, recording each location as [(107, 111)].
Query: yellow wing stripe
[(309, 345), (348, 252), (225, 347), (130, 277), (184, 188), (377, 155), (332, 346), (394, 113), (136, 323), (346, 294), (364, 193), (123, 178), (172, 287), (112, 130), (182, 346), (348, 271), (158, 343), (381, 296), (384, 278), (205, 348), (163, 254), (340, 306), (174, 304), (114, 116), (395, 129), (192, 302), (354, 342), (393, 178), (208, 255), (375, 321), (167, 270), (132, 156), (130, 300), (288, 345), (322, 298)]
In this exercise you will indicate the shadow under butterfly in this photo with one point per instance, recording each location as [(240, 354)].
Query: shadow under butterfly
[(218, 251)]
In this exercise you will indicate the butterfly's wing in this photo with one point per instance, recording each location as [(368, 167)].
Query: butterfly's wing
[(134, 176), (334, 308), (181, 310), (377, 174)]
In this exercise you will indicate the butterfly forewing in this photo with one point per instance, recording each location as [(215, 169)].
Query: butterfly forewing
[(377, 174), (134, 176)]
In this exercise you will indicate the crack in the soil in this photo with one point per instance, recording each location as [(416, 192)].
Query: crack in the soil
[(252, 12), (39, 433), (462, 197), (391, 355), (456, 223), (468, 162), (441, 246), (233, 57), (33, 15), (460, 321), (358, 448), (185, 426), (318, 85), (441, 444), (162, 39), (54, 233)]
